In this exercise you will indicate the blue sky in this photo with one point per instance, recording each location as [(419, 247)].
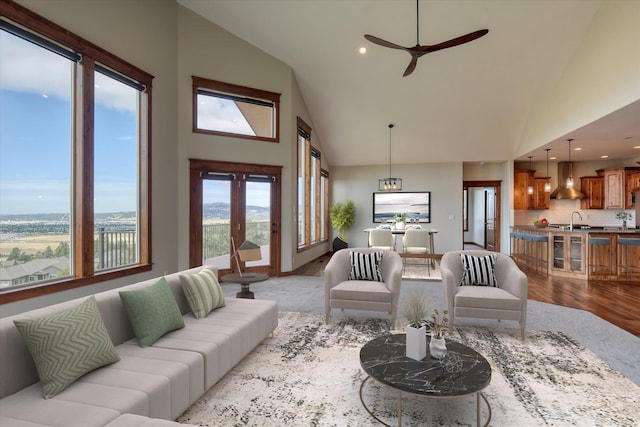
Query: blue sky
[(36, 134)]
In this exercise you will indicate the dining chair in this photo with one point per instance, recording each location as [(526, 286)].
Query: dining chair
[(416, 241), (382, 238)]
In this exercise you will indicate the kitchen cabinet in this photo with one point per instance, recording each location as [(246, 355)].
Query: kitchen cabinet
[(632, 184), (541, 199), (593, 188), (569, 255), (523, 178), (619, 187), (614, 189)]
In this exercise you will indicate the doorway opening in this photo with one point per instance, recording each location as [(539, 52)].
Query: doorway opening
[(481, 224), (231, 203)]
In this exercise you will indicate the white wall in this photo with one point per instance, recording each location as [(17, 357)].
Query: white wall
[(601, 77), (443, 180)]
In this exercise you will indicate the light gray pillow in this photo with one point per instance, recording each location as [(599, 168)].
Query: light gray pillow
[(67, 345)]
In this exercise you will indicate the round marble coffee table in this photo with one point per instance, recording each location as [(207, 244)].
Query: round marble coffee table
[(462, 372)]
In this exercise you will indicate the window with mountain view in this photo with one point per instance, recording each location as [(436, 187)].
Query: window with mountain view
[(73, 160)]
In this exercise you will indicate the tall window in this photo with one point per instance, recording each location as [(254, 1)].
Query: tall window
[(313, 196), (74, 165), (226, 109)]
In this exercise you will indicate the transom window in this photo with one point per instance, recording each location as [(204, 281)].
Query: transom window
[(231, 110), (74, 162)]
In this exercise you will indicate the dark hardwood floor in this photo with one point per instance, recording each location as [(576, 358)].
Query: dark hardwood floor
[(616, 302)]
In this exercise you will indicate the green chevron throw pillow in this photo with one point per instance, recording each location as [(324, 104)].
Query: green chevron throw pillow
[(152, 311), (67, 345), (202, 291)]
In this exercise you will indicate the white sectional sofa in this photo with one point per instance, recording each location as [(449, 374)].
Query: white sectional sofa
[(148, 386)]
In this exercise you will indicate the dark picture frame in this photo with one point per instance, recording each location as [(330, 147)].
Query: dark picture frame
[(417, 205)]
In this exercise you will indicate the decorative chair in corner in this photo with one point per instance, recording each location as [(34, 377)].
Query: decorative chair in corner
[(505, 301), (340, 291)]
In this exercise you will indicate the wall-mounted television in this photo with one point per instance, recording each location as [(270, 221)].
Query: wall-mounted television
[(386, 205)]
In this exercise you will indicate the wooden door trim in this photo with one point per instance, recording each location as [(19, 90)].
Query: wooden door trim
[(196, 167), (498, 226)]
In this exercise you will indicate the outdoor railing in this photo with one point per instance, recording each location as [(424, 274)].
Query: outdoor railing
[(115, 248), (216, 237)]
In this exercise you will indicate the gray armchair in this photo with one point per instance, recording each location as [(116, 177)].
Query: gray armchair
[(507, 301), (369, 295)]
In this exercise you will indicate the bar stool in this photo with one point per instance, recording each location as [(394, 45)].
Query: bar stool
[(515, 241), (597, 267), (625, 251), (539, 251)]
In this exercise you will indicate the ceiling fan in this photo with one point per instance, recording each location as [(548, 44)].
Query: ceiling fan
[(417, 51)]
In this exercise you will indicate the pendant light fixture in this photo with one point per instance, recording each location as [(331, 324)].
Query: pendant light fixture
[(530, 187), (390, 183), (547, 185), (570, 179)]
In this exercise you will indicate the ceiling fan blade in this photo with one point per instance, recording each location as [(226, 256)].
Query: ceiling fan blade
[(411, 67), (381, 42), (453, 42)]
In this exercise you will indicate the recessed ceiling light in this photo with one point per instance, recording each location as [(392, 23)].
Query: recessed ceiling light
[(637, 147), (577, 149), (604, 157), (362, 50), (553, 158)]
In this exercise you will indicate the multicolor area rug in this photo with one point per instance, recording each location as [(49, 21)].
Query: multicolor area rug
[(308, 374)]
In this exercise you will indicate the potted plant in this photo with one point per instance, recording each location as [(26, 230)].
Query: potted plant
[(439, 329), (624, 216), (342, 216), (415, 310), (401, 220)]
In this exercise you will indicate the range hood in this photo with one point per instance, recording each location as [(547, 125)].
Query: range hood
[(562, 192)]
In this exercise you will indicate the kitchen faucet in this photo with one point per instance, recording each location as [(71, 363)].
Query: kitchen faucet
[(571, 222)]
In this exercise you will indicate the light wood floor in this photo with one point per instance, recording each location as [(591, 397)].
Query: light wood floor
[(616, 302)]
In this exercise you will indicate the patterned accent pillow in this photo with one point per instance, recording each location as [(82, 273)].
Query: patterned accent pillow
[(152, 311), (366, 266), (479, 271), (202, 291), (67, 345)]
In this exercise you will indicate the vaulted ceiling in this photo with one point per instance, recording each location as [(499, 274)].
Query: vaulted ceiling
[(468, 103)]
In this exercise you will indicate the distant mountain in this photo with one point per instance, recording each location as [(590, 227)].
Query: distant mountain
[(59, 222), (219, 210)]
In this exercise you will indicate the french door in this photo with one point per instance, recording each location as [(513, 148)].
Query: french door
[(231, 203)]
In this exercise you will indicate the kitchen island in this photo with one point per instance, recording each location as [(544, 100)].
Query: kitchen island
[(603, 253)]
